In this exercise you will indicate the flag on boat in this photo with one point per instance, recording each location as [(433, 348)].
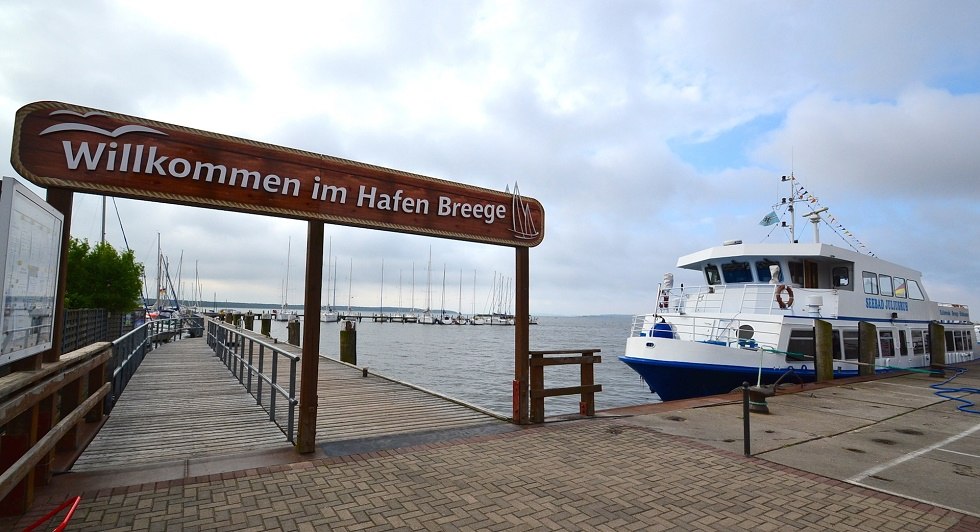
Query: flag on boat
[(770, 219)]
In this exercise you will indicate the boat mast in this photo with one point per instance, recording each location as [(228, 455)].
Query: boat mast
[(159, 304), (790, 207), (350, 276), (329, 257)]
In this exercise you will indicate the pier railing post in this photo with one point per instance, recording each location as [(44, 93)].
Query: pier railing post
[(586, 405)]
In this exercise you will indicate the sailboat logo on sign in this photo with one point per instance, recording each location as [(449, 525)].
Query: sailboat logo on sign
[(523, 223)]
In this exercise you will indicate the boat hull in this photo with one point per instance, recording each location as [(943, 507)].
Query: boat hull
[(672, 380)]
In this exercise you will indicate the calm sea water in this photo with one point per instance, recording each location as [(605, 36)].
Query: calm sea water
[(475, 364)]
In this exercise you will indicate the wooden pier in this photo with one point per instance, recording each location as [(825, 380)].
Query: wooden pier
[(183, 404)]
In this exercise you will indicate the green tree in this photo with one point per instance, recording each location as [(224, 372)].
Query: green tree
[(101, 277)]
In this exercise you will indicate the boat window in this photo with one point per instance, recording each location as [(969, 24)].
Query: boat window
[(712, 275), (841, 276), (950, 344), (887, 341), (960, 341), (801, 345), (903, 343), (836, 339), (870, 282), (914, 291), (763, 273), (736, 272), (885, 284), (901, 289), (796, 273), (918, 342), (851, 344)]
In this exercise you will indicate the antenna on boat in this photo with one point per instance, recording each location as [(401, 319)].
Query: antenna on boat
[(798, 194), (815, 220)]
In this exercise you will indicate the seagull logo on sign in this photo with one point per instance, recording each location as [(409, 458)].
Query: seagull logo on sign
[(76, 126)]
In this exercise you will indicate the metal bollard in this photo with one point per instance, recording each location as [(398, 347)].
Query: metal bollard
[(747, 445)]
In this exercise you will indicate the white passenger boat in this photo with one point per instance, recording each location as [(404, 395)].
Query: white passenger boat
[(753, 318)]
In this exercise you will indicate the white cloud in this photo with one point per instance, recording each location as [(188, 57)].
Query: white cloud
[(873, 104)]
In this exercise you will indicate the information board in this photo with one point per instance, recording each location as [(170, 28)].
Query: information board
[(30, 240)]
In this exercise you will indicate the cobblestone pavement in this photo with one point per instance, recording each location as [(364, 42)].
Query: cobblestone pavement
[(597, 474)]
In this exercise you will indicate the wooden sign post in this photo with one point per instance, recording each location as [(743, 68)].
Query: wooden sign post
[(79, 149)]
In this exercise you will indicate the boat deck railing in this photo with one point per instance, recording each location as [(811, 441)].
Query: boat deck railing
[(753, 298), (744, 333)]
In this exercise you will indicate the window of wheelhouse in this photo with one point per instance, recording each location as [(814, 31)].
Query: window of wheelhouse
[(796, 271), (950, 343), (885, 285), (841, 277), (914, 291), (870, 282), (736, 272), (763, 272), (711, 274), (901, 287)]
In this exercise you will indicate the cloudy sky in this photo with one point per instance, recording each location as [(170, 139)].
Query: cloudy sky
[(648, 130)]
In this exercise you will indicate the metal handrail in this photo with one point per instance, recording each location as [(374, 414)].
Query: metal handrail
[(129, 350), (245, 356)]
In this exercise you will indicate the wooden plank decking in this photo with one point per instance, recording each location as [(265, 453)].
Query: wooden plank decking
[(183, 403)]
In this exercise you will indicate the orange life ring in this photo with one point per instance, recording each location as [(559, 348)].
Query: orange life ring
[(779, 296)]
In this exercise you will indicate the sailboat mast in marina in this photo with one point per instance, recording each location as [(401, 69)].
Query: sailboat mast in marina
[(283, 314)]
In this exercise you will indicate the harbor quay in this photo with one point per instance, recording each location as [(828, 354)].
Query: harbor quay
[(863, 454)]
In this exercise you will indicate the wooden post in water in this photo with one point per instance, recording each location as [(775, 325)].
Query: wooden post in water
[(249, 320), (310, 361), (867, 347), (292, 330), (824, 340), (522, 342), (937, 344), (348, 343), (266, 326)]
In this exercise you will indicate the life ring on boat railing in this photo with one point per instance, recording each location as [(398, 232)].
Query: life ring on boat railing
[(789, 296)]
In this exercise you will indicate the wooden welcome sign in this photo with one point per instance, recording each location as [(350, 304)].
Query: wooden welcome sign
[(88, 150)]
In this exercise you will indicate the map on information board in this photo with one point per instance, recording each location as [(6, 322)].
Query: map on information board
[(30, 240)]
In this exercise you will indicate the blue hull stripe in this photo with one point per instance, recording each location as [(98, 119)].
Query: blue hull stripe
[(680, 380)]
